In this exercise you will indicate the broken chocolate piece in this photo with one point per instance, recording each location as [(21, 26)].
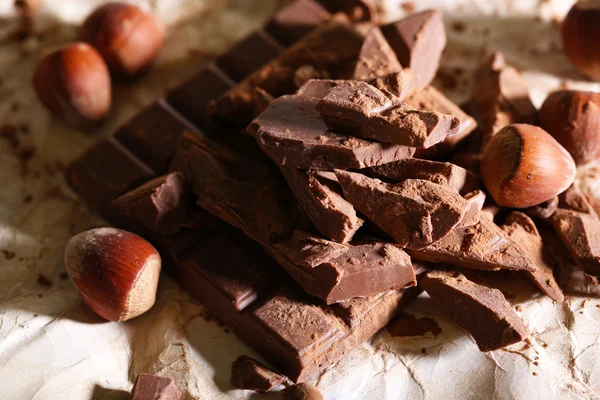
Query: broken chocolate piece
[(302, 391), (415, 212), (376, 57), (293, 134), (153, 387), (332, 215), (408, 325), (481, 311), (399, 84), (295, 20), (249, 374), (361, 109), (418, 41), (475, 201), (522, 230), (543, 210)]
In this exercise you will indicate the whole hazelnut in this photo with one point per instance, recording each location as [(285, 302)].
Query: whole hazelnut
[(115, 271), (581, 35), (523, 165), (74, 84), (128, 37), (302, 391), (572, 117)]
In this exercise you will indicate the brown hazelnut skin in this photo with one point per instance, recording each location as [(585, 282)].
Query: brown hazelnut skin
[(302, 391), (572, 117), (581, 34), (115, 271), (128, 37), (523, 165), (73, 83)]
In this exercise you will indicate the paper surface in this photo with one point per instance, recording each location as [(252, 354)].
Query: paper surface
[(53, 347)]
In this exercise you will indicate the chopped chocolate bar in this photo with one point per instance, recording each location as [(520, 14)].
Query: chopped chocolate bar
[(522, 230), (249, 374), (302, 391), (481, 311), (415, 212), (322, 201), (376, 57), (293, 134), (153, 387)]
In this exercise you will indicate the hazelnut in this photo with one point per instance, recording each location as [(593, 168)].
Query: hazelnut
[(581, 34), (74, 84), (523, 165), (302, 391), (128, 37), (115, 271), (572, 117)]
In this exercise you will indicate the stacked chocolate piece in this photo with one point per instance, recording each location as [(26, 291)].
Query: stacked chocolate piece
[(301, 235)]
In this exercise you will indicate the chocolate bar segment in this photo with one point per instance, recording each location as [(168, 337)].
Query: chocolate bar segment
[(154, 387), (249, 374)]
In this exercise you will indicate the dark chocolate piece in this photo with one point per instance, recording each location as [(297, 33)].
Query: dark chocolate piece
[(376, 57), (522, 230), (418, 41), (295, 20), (153, 387), (302, 391), (293, 134), (543, 210), (415, 212), (332, 215), (249, 374), (481, 311)]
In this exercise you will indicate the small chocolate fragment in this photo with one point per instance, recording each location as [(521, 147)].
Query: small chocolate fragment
[(501, 97), (332, 215), (475, 201), (415, 212), (418, 41), (481, 311), (408, 325), (302, 391), (153, 387), (522, 230), (249, 374), (361, 109), (292, 133), (163, 205), (376, 57)]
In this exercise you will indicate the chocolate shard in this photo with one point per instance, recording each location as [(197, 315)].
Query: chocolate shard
[(578, 226), (357, 10), (418, 41), (376, 57), (481, 311), (442, 173), (322, 201), (291, 132), (163, 205), (336, 272), (501, 97), (475, 201), (302, 391), (363, 110), (522, 230), (249, 374), (482, 246), (154, 387), (415, 212)]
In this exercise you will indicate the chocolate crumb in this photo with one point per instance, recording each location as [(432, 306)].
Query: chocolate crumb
[(42, 280), (8, 255), (408, 6), (534, 373), (458, 26), (35, 315), (518, 308), (40, 295), (581, 312), (423, 350), (28, 199), (536, 363)]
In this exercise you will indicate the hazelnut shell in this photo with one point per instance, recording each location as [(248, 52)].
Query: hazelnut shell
[(581, 34)]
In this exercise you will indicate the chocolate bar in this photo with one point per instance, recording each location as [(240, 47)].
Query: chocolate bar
[(249, 374), (154, 387)]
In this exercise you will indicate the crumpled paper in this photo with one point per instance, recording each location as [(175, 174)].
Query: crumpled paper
[(53, 347)]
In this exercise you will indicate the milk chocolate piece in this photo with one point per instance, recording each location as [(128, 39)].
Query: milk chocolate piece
[(153, 387), (163, 205), (475, 201), (295, 20), (363, 110), (482, 246), (399, 84), (376, 57), (522, 230), (501, 97), (543, 210), (357, 10), (332, 215), (249, 374), (415, 212), (418, 41), (302, 391), (292, 133), (481, 311)]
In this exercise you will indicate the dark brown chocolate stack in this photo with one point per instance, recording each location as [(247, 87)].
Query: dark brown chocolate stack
[(299, 236)]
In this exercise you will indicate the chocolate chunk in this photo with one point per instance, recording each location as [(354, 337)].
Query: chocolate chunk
[(408, 325), (414, 212), (249, 374), (522, 230), (543, 210), (475, 201), (442, 173), (483, 246), (295, 20), (361, 109), (293, 134), (357, 10), (481, 311), (501, 97), (418, 41), (153, 387), (376, 57), (399, 84), (333, 215), (163, 205), (302, 391)]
